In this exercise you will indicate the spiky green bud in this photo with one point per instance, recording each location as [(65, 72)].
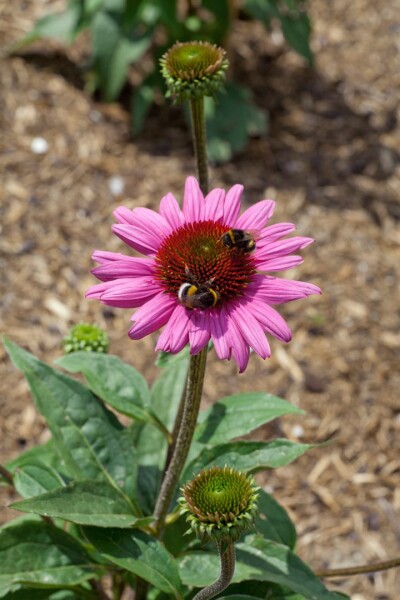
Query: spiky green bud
[(220, 503), (193, 70), (85, 337)]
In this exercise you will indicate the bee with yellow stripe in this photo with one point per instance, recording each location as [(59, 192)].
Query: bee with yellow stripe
[(243, 241), (196, 295)]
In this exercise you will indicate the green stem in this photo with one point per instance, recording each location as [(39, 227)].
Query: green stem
[(7, 475), (346, 571), (227, 557), (184, 438), (200, 141), (177, 426)]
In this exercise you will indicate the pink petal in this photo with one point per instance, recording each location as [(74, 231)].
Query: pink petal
[(103, 257), (214, 205), (143, 218), (279, 264), (124, 215), (127, 266), (281, 247), (169, 209), (124, 293), (193, 201), (250, 329), (232, 204), (274, 232), (142, 241), (152, 315), (257, 216), (276, 291), (270, 319), (176, 333), (199, 331), (218, 326), (240, 348)]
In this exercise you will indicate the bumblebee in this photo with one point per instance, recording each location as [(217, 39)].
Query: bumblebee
[(243, 241), (192, 296)]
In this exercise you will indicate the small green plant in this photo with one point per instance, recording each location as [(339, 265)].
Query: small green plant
[(124, 31)]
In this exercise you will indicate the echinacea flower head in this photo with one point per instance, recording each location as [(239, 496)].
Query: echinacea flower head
[(193, 70), (205, 273), (220, 503)]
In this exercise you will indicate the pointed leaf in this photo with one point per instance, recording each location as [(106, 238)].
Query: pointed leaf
[(115, 382), (36, 478), (85, 503), (39, 553), (247, 456), (273, 522), (139, 553), (237, 415), (44, 453), (89, 437)]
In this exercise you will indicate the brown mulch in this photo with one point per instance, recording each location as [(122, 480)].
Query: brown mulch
[(331, 160)]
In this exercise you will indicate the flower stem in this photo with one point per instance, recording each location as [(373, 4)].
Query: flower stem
[(194, 388), (200, 141), (227, 557)]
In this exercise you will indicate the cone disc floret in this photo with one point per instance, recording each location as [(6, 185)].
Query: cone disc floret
[(220, 503), (194, 253), (194, 69), (86, 337)]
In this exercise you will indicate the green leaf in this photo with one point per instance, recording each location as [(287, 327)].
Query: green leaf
[(34, 479), (92, 442), (258, 559), (126, 52), (237, 415), (140, 554), (167, 359), (273, 522), (297, 30), (39, 553), (262, 10), (44, 453), (142, 100), (151, 444), (85, 503), (62, 26), (247, 456), (230, 120), (118, 384)]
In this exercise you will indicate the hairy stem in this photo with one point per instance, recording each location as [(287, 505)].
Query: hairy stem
[(177, 426), (194, 388), (347, 571), (227, 557), (200, 141)]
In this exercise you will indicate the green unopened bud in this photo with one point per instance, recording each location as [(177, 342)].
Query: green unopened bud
[(85, 337), (221, 503), (194, 70)]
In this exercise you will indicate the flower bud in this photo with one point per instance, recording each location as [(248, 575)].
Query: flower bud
[(220, 503), (85, 337), (193, 70)]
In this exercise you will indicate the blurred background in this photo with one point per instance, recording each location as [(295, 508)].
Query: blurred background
[(310, 119)]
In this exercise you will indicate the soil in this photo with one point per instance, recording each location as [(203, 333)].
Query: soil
[(330, 160)]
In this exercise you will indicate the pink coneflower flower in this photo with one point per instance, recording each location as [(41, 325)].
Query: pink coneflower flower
[(197, 279)]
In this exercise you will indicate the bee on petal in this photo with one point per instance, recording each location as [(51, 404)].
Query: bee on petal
[(243, 241), (192, 296)]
